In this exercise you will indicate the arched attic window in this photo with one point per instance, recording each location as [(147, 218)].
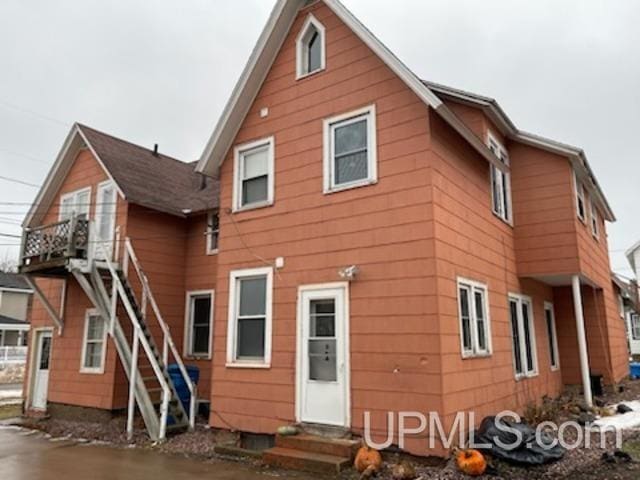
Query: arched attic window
[(310, 48)]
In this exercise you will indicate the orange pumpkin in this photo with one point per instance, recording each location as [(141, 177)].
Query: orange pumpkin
[(368, 459), (471, 462)]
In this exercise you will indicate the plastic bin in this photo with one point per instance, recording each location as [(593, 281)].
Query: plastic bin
[(182, 389), (635, 370)]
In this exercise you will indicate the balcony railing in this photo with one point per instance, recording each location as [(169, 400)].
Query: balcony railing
[(53, 243), (13, 355)]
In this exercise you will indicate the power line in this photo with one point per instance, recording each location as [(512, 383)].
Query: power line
[(28, 111), (26, 156), (21, 182), (9, 235)]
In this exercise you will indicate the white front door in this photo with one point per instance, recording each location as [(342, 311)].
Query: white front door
[(323, 362), (105, 220), (41, 370)]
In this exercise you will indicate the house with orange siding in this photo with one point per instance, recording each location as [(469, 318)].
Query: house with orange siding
[(353, 241)]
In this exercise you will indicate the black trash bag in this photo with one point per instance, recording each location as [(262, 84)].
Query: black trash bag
[(622, 408), (524, 451)]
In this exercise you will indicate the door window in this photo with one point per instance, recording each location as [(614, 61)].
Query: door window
[(322, 341)]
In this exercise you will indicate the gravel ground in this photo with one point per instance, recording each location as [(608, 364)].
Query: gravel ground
[(579, 463)]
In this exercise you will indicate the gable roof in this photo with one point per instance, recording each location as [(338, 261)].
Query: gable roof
[(159, 182), (13, 281), (265, 52), (631, 256), (500, 119)]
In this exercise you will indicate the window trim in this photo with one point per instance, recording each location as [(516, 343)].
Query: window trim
[(209, 234), (329, 126), (580, 195), (187, 347), (311, 21), (634, 337), (92, 312), (240, 150), (548, 307), (473, 286), (504, 158), (595, 219), (232, 326), (520, 299), (621, 308), (75, 193)]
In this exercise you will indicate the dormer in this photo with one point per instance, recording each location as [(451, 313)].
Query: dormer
[(310, 48)]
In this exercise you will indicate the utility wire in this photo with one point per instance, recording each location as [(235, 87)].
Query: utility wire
[(21, 182), (28, 111)]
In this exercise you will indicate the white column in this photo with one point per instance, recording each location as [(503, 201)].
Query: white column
[(582, 340)]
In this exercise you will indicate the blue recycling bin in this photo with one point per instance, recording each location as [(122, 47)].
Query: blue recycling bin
[(182, 389), (635, 370)]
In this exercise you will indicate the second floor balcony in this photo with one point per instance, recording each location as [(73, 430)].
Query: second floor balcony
[(47, 249)]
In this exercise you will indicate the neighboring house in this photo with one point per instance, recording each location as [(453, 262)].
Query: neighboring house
[(384, 244), (633, 305), (15, 301)]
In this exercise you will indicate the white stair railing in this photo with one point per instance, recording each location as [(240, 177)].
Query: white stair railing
[(168, 345), (140, 339)]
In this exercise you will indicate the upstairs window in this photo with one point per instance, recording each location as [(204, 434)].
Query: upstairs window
[(500, 182), (75, 203), (350, 158), (474, 318), (581, 205), (213, 232), (253, 171), (310, 48), (595, 220), (523, 336)]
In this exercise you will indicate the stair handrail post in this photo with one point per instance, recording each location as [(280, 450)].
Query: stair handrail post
[(130, 253), (116, 244), (132, 382), (71, 238), (164, 409)]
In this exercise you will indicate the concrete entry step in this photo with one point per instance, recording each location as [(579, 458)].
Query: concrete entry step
[(305, 461), (327, 446)]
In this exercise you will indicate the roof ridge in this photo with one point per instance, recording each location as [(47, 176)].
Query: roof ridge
[(122, 140)]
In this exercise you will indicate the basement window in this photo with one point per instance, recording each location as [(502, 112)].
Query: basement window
[(500, 182), (199, 324), (523, 336), (310, 48), (473, 309), (552, 335), (580, 199), (249, 323), (253, 172), (350, 157), (94, 343)]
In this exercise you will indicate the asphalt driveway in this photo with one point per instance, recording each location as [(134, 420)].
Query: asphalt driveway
[(25, 455)]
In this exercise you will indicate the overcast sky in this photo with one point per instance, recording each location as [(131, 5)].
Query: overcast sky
[(161, 71)]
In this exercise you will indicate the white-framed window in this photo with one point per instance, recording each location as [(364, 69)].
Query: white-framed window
[(581, 205), (500, 182), (350, 150), (249, 322), (473, 312), (213, 232), (76, 203), (595, 220), (199, 323), (523, 336), (552, 335), (94, 344), (253, 173), (635, 326), (310, 48)]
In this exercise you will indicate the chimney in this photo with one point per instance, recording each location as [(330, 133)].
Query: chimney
[(155, 150)]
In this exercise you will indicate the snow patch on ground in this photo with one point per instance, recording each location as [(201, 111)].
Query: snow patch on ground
[(624, 421)]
